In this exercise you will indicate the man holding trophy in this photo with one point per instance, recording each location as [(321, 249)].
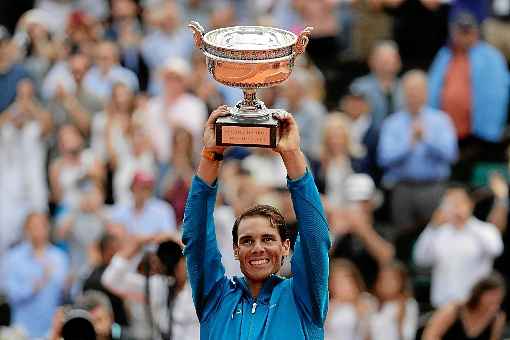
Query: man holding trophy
[(261, 304)]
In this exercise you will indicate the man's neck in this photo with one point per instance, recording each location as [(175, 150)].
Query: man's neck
[(386, 81), (255, 287)]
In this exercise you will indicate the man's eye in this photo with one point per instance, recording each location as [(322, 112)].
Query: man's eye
[(247, 242), (267, 239)]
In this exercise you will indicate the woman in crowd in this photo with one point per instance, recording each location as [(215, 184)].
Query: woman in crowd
[(350, 306), (396, 317), (479, 318)]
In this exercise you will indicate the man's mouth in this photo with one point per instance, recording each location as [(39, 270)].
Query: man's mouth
[(259, 262)]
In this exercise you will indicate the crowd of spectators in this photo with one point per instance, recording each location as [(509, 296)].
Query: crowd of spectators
[(402, 107)]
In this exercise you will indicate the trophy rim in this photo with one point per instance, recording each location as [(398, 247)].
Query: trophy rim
[(293, 36)]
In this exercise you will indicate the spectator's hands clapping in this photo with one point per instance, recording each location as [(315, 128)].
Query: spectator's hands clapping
[(498, 186)]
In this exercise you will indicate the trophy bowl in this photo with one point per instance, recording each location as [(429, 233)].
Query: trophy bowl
[(249, 57)]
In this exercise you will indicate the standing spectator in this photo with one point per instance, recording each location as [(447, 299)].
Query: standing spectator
[(10, 72), (382, 87), (308, 112), (397, 314), (497, 27), (146, 215), (74, 165), (33, 276), (22, 166), (480, 317), (459, 248), (416, 148), (350, 305), (174, 107), (107, 71), (469, 80)]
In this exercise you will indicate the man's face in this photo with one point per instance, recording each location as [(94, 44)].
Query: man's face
[(464, 38), (106, 56), (385, 62), (102, 321), (260, 248), (415, 92), (38, 230), (79, 65), (458, 206)]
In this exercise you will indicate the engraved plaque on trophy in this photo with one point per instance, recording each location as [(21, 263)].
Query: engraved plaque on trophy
[(249, 57)]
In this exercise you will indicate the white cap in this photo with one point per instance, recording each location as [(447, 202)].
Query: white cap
[(177, 66), (359, 187)]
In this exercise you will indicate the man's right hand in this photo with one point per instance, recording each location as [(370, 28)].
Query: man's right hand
[(209, 138)]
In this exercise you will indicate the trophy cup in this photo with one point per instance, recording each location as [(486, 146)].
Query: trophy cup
[(249, 57)]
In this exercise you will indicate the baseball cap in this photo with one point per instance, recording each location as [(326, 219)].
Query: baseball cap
[(177, 66), (356, 91), (359, 187), (464, 20)]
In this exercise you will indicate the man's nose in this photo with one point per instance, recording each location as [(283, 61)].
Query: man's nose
[(258, 247)]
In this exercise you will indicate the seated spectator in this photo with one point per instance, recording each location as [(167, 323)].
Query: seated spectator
[(74, 165), (382, 87), (8, 332), (10, 72), (479, 317), (337, 159), (416, 148), (33, 275), (22, 164), (364, 131), (107, 71), (459, 248), (81, 228), (469, 80), (350, 306), (108, 245), (171, 303), (264, 161), (353, 229), (146, 215), (396, 317), (308, 112)]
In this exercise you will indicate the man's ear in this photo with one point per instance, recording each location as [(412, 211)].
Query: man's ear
[(286, 247), (236, 252)]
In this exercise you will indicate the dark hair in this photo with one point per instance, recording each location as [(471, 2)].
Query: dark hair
[(5, 312), (105, 241), (491, 282), (272, 214), (169, 253)]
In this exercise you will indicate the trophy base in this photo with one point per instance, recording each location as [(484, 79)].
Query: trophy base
[(249, 132)]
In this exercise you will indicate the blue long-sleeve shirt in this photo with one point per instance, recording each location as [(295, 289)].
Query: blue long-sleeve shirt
[(292, 308), (428, 159), (33, 310)]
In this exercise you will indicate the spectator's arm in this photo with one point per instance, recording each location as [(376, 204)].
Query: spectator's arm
[(54, 176), (498, 326), (119, 278), (440, 322), (78, 113), (424, 253), (488, 237), (409, 324), (441, 141), (380, 249), (395, 144), (499, 212)]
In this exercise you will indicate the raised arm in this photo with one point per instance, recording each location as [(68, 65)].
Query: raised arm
[(310, 263), (205, 270)]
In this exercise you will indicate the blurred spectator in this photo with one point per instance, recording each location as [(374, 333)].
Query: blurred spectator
[(497, 26), (416, 148), (353, 229), (69, 102), (350, 306), (382, 87), (8, 332), (425, 21), (81, 227), (83, 32), (22, 163), (480, 317), (170, 298), (177, 180), (167, 40), (74, 165), (337, 160), (263, 161), (469, 80), (145, 215), (396, 317), (308, 112), (107, 71), (364, 130), (459, 248), (33, 277), (10, 72), (174, 107), (108, 245)]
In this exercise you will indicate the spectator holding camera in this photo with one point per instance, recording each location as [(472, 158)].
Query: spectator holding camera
[(459, 248), (33, 275)]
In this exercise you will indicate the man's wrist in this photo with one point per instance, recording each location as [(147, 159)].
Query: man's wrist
[(213, 154)]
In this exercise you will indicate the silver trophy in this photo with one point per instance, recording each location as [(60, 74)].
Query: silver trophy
[(249, 57)]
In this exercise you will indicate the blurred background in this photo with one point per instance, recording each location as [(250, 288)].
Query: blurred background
[(403, 113)]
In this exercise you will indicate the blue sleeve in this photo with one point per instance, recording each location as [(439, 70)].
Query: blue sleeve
[(394, 143), (440, 139), (205, 270), (310, 262), (18, 287), (436, 77)]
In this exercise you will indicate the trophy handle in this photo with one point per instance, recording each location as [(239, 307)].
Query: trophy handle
[(198, 33), (302, 41)]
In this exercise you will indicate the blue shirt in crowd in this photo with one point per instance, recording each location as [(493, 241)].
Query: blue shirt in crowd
[(429, 159), (8, 82), (21, 270)]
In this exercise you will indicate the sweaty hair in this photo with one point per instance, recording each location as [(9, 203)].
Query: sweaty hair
[(488, 283), (272, 214)]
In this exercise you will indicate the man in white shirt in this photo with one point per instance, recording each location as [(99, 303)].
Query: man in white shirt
[(459, 248), (174, 107)]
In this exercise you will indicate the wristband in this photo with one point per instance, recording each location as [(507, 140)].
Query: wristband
[(212, 155)]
